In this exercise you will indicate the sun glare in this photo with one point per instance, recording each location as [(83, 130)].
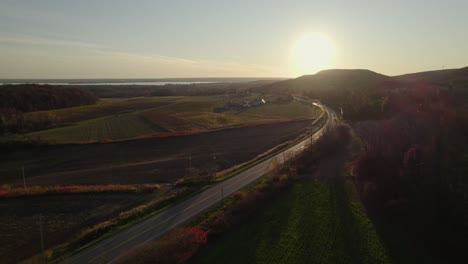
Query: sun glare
[(312, 52)]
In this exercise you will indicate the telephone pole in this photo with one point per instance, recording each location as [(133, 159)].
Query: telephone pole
[(40, 222), (190, 160), (24, 179)]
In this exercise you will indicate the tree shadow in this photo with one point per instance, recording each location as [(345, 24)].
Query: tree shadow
[(418, 235)]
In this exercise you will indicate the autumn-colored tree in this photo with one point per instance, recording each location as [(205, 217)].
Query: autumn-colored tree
[(175, 247)]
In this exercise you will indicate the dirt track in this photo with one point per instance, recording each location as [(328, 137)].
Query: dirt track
[(145, 160)]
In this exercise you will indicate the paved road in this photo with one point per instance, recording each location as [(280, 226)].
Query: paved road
[(154, 227)]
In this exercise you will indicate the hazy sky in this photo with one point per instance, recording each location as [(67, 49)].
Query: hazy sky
[(156, 39)]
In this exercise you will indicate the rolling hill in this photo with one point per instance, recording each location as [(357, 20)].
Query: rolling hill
[(356, 91), (454, 80), (440, 76), (328, 80)]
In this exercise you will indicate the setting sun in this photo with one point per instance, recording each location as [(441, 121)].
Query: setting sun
[(312, 52), (233, 131)]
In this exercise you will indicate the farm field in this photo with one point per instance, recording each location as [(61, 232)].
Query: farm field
[(63, 215), (313, 222), (289, 110), (108, 106), (114, 127), (149, 160), (120, 119)]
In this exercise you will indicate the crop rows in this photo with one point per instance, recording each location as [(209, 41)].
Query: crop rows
[(117, 119), (312, 223), (113, 127), (290, 110)]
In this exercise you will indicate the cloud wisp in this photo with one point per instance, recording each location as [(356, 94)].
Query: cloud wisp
[(102, 60)]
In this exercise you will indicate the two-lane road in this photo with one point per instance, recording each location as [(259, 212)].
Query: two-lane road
[(106, 251)]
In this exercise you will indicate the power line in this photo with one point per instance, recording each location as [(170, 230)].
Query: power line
[(190, 160), (40, 222), (24, 179)]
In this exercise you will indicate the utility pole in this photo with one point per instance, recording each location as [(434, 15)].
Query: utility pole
[(24, 179), (190, 160), (40, 222)]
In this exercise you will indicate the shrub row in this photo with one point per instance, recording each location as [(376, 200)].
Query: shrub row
[(179, 245), (182, 243), (6, 192), (99, 230)]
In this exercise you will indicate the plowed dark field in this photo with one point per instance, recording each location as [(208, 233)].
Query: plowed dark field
[(151, 160)]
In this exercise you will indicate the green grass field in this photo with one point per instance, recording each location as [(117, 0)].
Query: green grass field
[(109, 106), (313, 222), (119, 119), (114, 127), (290, 110)]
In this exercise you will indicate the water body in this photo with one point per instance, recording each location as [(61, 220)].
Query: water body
[(167, 81), (103, 83)]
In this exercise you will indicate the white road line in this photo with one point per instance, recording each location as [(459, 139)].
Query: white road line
[(185, 206)]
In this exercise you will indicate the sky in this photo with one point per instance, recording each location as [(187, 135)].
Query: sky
[(174, 39)]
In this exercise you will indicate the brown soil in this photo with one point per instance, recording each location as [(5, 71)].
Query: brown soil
[(63, 216), (150, 160)]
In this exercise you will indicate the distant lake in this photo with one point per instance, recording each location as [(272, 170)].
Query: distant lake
[(103, 83), (163, 81)]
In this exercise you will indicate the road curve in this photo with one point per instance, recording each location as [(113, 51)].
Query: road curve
[(107, 250)]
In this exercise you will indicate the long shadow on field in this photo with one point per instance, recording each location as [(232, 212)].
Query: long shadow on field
[(251, 241), (350, 235), (330, 172), (422, 237), (343, 218), (273, 230)]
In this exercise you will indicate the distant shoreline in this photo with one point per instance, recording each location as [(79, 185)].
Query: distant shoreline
[(155, 81)]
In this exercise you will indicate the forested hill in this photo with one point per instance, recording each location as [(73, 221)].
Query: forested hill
[(453, 77), (358, 92), (33, 97)]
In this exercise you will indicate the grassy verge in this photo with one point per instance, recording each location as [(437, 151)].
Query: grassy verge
[(125, 219), (107, 228), (220, 219), (225, 174), (280, 219), (175, 247), (311, 222), (316, 125)]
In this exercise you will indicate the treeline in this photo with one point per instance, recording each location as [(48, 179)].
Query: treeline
[(412, 169), (16, 100), (413, 165), (357, 92), (33, 97), (417, 149), (128, 91), (201, 89)]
